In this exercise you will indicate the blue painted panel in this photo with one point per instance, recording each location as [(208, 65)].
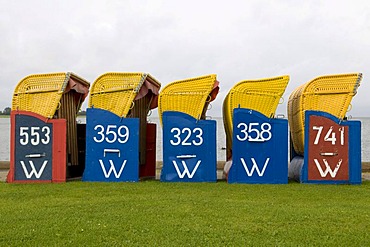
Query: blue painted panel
[(33, 148), (189, 149), (112, 147), (332, 152), (260, 148)]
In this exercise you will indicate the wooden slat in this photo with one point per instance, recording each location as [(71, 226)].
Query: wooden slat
[(68, 111)]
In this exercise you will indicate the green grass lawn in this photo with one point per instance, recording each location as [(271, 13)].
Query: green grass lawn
[(151, 213)]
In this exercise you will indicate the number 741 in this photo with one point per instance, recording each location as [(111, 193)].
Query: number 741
[(330, 135)]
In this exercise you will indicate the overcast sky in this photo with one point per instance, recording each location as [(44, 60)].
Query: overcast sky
[(174, 40)]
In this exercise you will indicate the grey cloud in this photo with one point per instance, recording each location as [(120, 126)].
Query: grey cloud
[(174, 40)]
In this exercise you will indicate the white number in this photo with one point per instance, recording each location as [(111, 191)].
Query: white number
[(188, 135), (253, 134), (101, 133), (244, 131), (199, 137), (125, 135), (318, 133), (341, 130), (266, 130), (23, 133), (177, 136), (188, 132), (112, 134), (47, 135), (251, 130), (34, 135), (327, 137), (330, 135)]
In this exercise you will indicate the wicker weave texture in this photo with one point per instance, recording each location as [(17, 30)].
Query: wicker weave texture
[(261, 95), (189, 96), (115, 92), (40, 93), (331, 94), (54, 95)]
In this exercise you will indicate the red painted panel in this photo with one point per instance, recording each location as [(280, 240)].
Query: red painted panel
[(10, 177), (328, 150), (58, 148), (148, 170)]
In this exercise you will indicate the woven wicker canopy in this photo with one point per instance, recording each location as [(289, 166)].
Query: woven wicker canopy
[(42, 93), (118, 92), (190, 96), (262, 95), (331, 94), (128, 95), (54, 95)]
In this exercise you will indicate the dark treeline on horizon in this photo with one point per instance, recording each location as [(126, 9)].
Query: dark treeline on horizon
[(7, 111)]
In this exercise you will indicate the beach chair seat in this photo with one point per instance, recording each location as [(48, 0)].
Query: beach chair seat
[(128, 95), (262, 95), (191, 96), (331, 94), (54, 95)]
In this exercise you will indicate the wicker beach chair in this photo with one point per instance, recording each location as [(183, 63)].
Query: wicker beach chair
[(54, 95), (261, 95), (191, 96), (331, 94), (128, 95), (120, 92)]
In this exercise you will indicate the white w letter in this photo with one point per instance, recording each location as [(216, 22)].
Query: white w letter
[(112, 169), (254, 167), (328, 169), (186, 170), (33, 169)]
